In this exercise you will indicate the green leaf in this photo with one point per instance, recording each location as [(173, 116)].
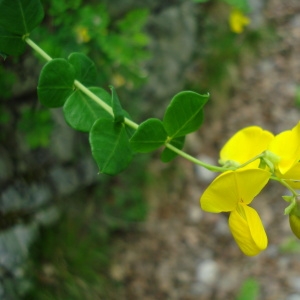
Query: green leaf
[(10, 43), (3, 55), (56, 82), (116, 106), (184, 114), (149, 136), (85, 70), (81, 111), (110, 146), (20, 16), (167, 155)]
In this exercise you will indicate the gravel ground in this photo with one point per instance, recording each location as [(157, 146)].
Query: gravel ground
[(181, 252)]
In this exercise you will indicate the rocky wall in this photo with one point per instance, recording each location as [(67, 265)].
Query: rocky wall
[(33, 181)]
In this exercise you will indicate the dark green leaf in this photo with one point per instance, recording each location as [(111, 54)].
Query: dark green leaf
[(56, 82), (184, 114), (3, 55), (85, 70), (167, 155), (149, 136), (81, 111), (110, 146), (11, 44), (20, 16), (116, 106)]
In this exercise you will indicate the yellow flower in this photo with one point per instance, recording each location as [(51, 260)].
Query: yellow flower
[(286, 146), (232, 191), (237, 21), (292, 177), (82, 34), (244, 145)]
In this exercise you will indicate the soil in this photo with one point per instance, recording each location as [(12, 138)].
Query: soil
[(181, 252)]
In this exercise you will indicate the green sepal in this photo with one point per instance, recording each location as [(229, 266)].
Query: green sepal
[(266, 162), (184, 114), (56, 82), (81, 111), (110, 146), (116, 106), (167, 155), (85, 69), (149, 136), (288, 210), (20, 16), (288, 199)]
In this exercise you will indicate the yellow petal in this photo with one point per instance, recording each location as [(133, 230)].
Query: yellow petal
[(231, 187), (246, 144), (292, 177), (287, 146), (247, 230)]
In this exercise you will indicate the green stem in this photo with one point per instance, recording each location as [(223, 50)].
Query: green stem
[(251, 160), (39, 50), (197, 161), (128, 122), (282, 181)]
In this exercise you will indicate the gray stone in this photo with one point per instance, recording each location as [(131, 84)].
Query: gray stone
[(65, 180), (47, 216), (173, 35), (23, 196), (294, 283), (62, 144), (293, 297), (87, 170), (207, 272), (14, 245)]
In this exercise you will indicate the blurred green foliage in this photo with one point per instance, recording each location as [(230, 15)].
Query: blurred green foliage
[(36, 126), (223, 52), (249, 290), (290, 245), (72, 259), (243, 5), (118, 47), (7, 80)]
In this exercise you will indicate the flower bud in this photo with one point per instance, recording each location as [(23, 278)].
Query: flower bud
[(294, 217), (295, 224)]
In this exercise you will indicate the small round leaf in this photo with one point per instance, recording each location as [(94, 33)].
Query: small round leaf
[(85, 70), (56, 82), (81, 111), (184, 114), (149, 136), (110, 146)]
